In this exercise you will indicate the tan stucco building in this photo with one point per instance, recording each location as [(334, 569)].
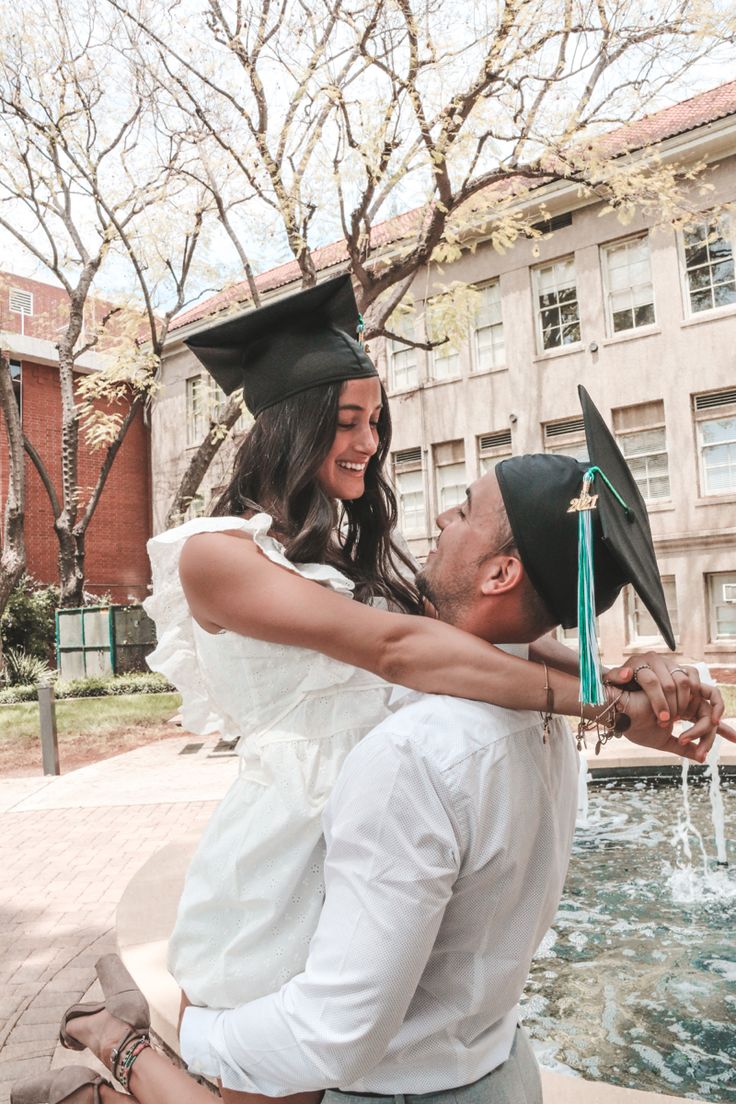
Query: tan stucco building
[(645, 318)]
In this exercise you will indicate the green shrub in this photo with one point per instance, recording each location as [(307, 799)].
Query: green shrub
[(139, 682), (23, 668), (29, 620)]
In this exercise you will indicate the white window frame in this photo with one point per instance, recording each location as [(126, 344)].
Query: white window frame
[(415, 466), (212, 401), (451, 359), (404, 325), (634, 608), (712, 414), (644, 418), (728, 233), (446, 456), (542, 350), (497, 365), (444, 361), (608, 292), (717, 579), (570, 443), (499, 448)]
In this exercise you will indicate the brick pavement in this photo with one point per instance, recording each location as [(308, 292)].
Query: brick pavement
[(64, 870), (68, 848)]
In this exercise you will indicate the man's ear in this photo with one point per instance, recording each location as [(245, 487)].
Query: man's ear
[(501, 574)]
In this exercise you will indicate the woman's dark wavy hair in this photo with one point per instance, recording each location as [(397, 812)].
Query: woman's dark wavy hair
[(276, 468)]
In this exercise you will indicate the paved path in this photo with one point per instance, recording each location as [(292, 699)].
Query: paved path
[(68, 848)]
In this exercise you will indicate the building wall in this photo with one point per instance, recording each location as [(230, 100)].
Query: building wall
[(681, 355), (677, 357), (116, 559)]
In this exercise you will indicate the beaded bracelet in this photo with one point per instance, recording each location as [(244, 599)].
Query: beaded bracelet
[(124, 1061), (610, 722)]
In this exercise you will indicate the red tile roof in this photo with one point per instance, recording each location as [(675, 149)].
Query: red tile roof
[(707, 107)]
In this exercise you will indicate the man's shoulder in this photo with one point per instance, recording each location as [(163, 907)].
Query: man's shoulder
[(444, 731)]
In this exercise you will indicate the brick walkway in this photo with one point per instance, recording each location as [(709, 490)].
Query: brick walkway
[(64, 870), (68, 848)]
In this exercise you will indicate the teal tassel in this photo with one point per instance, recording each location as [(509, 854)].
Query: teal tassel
[(591, 682), (361, 329)]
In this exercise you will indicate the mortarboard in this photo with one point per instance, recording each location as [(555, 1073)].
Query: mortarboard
[(582, 533), (292, 344)]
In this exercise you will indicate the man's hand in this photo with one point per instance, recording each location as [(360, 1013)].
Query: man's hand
[(674, 689), (693, 744)]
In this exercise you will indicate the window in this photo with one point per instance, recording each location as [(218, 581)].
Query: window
[(21, 302), (489, 344), (722, 605), (716, 441), (709, 267), (205, 404), (558, 320), (641, 435), (403, 373), (196, 423), (409, 482), (16, 376), (444, 360), (493, 447), (627, 278), (449, 474), (640, 625), (567, 437)]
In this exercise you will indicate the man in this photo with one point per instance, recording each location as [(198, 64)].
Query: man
[(449, 829)]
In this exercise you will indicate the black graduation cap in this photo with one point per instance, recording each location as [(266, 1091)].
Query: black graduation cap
[(292, 344), (582, 532)]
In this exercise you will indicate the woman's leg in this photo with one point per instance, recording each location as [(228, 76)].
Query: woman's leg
[(154, 1079)]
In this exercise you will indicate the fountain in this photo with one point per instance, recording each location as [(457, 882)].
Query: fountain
[(634, 984)]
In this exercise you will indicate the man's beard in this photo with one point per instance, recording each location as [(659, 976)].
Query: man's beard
[(450, 600)]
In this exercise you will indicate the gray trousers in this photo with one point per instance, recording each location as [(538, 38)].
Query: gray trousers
[(517, 1081)]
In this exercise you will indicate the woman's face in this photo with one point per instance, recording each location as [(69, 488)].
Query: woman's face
[(342, 472)]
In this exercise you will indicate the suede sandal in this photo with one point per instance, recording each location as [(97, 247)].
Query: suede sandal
[(57, 1086), (123, 1000)]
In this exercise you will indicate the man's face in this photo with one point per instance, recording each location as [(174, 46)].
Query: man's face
[(468, 534)]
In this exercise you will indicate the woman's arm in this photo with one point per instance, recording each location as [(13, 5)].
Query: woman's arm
[(230, 584)]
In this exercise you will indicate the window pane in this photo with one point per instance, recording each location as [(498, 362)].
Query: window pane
[(410, 493), (451, 484), (629, 281), (641, 626), (489, 342), (722, 600), (710, 267), (718, 452), (558, 307), (445, 363)]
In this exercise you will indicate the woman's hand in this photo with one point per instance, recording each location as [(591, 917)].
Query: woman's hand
[(674, 689), (693, 744)]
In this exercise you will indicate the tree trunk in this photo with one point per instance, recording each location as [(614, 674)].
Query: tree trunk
[(13, 555), (71, 567)]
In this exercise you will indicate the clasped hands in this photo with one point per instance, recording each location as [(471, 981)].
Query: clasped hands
[(663, 693)]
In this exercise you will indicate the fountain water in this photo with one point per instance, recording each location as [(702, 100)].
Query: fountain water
[(634, 984)]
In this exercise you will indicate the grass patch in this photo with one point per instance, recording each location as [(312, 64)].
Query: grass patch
[(88, 728)]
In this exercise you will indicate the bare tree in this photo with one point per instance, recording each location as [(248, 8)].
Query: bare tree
[(89, 186), (336, 114), (13, 553)]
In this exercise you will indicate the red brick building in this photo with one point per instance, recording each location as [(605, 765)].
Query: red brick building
[(31, 316)]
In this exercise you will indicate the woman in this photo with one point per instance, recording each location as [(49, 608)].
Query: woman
[(263, 654)]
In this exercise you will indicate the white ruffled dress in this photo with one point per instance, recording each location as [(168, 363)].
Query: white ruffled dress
[(254, 889)]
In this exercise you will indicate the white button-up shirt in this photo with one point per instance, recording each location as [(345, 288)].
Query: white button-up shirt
[(448, 837)]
